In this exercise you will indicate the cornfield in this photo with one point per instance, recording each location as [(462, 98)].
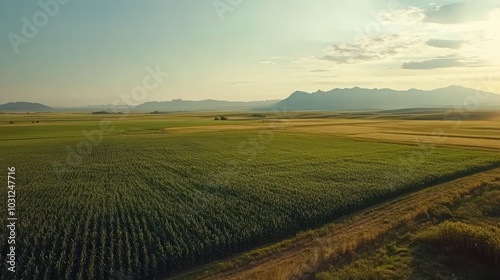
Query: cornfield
[(148, 206)]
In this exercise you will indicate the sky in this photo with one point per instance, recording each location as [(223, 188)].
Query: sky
[(74, 52)]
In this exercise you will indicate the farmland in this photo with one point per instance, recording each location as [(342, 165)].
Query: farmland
[(151, 196), (458, 239)]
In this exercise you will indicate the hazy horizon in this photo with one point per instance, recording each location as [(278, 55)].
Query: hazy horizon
[(221, 100), (93, 53)]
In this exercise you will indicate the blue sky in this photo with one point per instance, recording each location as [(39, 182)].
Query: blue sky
[(92, 52)]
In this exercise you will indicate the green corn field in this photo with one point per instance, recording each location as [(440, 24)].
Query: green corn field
[(146, 206)]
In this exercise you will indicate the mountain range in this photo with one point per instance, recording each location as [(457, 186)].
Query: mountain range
[(333, 100), (387, 99)]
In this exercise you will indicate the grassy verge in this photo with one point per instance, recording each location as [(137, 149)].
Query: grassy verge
[(454, 240)]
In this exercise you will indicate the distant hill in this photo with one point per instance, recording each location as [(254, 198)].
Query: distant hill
[(348, 99), (386, 99), (178, 105), (24, 106)]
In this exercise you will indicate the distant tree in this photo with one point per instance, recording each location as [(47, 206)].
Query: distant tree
[(32, 121), (216, 119), (223, 118), (37, 121), (11, 122), (100, 112), (258, 116)]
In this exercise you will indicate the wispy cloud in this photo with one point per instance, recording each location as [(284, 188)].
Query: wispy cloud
[(449, 44), (456, 13), (442, 63), (369, 49), (425, 44)]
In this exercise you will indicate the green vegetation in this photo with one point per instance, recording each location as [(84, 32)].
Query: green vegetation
[(258, 115), (480, 240), (390, 261), (143, 202), (456, 240), (222, 118)]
